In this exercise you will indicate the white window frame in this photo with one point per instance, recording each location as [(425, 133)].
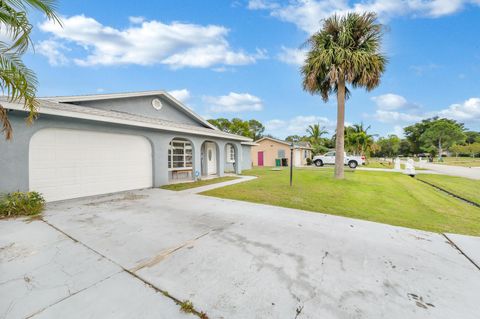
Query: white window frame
[(230, 153), (183, 155)]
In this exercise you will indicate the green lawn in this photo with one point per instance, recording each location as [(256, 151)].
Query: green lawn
[(463, 187), (459, 161), (391, 198), (376, 163), (183, 186)]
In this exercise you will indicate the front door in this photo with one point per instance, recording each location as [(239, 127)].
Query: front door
[(211, 159), (260, 158)]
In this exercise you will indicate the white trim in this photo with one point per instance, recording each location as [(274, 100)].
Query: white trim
[(97, 97), (186, 145), (109, 119), (249, 143)]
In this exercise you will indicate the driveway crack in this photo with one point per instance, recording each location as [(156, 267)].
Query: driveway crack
[(461, 251), (178, 302), (165, 253)]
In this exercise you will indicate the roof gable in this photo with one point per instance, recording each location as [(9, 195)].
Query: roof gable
[(56, 109), (138, 103)]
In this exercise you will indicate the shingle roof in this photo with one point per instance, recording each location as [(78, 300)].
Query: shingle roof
[(70, 110), (122, 95)]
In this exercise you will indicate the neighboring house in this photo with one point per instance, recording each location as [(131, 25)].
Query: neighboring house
[(268, 150), (96, 144)]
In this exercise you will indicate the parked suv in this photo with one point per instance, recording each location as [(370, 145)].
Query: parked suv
[(329, 158)]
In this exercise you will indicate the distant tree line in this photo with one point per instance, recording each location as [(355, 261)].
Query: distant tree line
[(433, 136), (251, 128)]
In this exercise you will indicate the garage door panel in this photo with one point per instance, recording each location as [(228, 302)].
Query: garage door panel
[(71, 163)]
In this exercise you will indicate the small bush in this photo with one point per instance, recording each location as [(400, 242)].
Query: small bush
[(309, 161), (21, 204)]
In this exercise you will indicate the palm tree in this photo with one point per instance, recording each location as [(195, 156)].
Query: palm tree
[(345, 50), (17, 81), (357, 138), (315, 133)]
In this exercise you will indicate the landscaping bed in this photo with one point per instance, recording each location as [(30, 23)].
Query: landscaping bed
[(391, 198)]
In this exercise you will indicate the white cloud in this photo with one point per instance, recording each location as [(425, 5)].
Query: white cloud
[(144, 42), (136, 20), (395, 117), (233, 103), (182, 95), (422, 69), (398, 131), (394, 108), (468, 111), (292, 55), (298, 125), (261, 4), (275, 124), (53, 51), (390, 106), (307, 14), (390, 102)]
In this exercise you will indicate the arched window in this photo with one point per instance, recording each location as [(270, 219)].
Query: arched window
[(180, 154)]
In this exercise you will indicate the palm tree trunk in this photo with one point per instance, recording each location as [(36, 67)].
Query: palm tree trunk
[(440, 150), (339, 140)]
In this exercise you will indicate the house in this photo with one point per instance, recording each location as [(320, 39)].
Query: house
[(97, 144), (268, 150)]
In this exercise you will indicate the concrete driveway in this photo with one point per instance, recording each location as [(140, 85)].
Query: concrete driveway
[(127, 255), (467, 172)]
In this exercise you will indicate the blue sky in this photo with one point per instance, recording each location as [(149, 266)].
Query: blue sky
[(241, 58)]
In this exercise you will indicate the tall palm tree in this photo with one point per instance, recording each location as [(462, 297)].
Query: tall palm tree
[(345, 50), (315, 133), (17, 81)]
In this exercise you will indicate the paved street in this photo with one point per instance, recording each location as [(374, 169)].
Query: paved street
[(113, 256), (468, 172)]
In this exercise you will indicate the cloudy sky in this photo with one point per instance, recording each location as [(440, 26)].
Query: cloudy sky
[(235, 58)]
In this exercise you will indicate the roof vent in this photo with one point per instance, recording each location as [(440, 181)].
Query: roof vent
[(157, 104)]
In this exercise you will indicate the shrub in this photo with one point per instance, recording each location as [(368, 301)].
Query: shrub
[(21, 204), (309, 161)]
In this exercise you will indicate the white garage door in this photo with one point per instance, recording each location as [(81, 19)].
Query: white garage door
[(71, 163)]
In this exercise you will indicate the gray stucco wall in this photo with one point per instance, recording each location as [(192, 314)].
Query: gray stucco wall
[(246, 157), (143, 106), (14, 154)]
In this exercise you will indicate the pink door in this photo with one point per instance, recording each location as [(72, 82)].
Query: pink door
[(260, 158)]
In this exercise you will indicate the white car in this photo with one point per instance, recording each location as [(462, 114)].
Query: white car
[(329, 158)]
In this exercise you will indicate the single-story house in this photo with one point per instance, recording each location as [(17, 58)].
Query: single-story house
[(268, 150), (97, 144)]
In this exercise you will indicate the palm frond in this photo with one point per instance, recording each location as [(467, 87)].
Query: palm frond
[(17, 81), (346, 48)]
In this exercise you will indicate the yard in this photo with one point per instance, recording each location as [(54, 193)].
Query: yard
[(459, 161), (391, 198), (463, 187), (379, 163)]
